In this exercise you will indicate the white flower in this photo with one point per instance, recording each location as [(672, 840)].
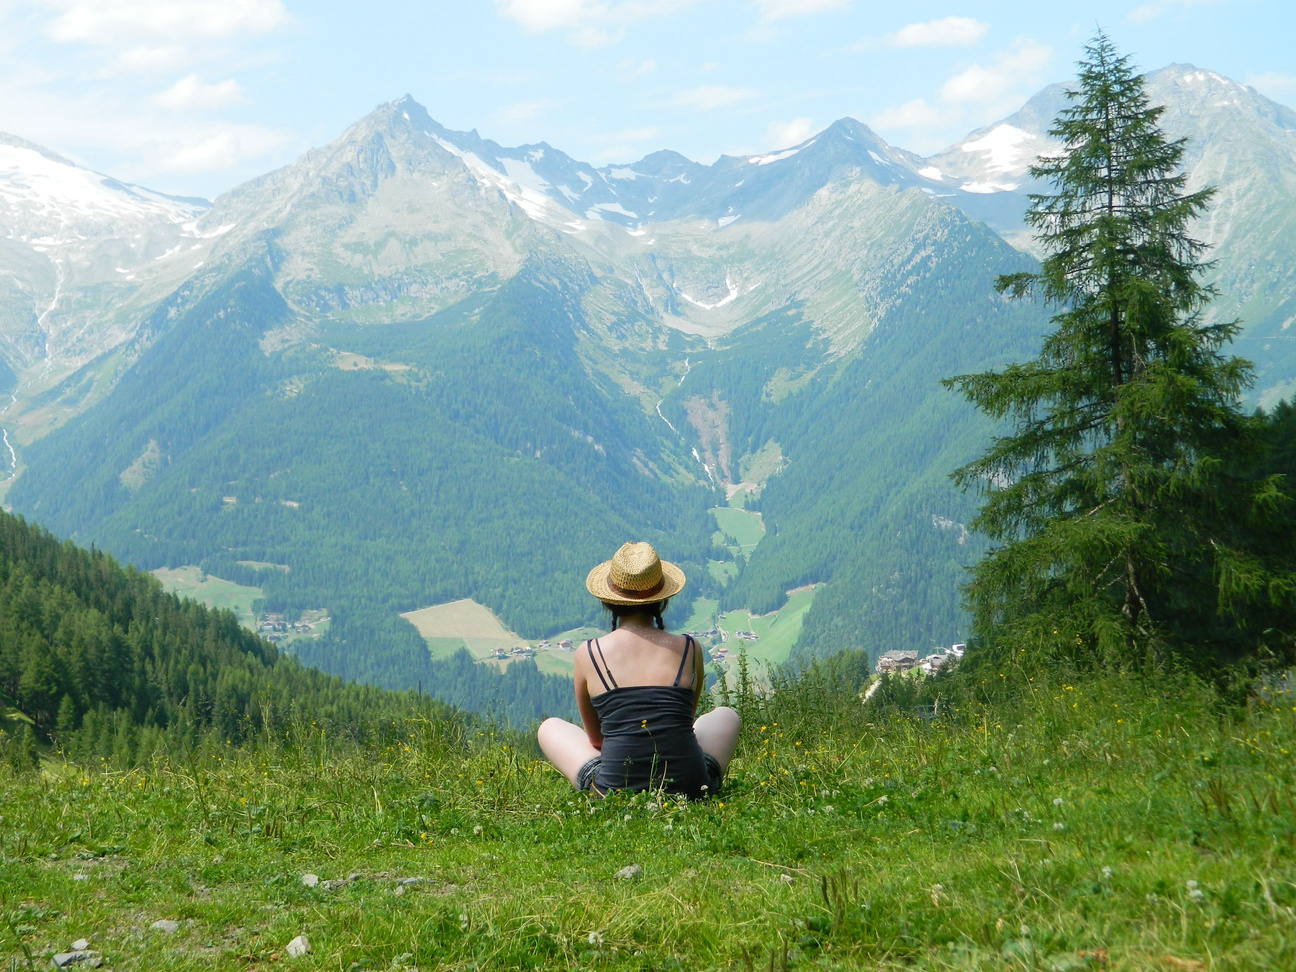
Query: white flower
[(828, 809), (1106, 873), (668, 828), (1194, 892), (477, 831), (627, 818), (594, 938), (1059, 826), (993, 769), (786, 878), (882, 800), (652, 807), (1057, 801)]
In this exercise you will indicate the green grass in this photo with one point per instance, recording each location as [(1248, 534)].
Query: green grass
[(193, 583), (1113, 825), (703, 610), (776, 632), (744, 528)]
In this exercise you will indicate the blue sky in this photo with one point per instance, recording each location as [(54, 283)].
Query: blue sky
[(195, 96)]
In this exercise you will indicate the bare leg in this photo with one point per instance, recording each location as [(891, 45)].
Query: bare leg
[(717, 733), (566, 746)]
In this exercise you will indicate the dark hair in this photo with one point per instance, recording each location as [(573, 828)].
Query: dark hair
[(655, 609)]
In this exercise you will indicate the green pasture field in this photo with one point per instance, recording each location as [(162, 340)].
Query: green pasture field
[(445, 627), (776, 632), (1113, 825), (192, 582), (744, 528)]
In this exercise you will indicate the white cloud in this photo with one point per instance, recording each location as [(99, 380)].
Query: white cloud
[(110, 22), (771, 10), (620, 146), (145, 59), (222, 150), (1280, 87), (526, 110), (593, 23), (1150, 11), (912, 114), (709, 96), (784, 134), (1020, 64), (192, 92), (946, 32), (630, 69)]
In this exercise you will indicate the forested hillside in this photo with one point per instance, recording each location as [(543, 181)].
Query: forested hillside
[(99, 658)]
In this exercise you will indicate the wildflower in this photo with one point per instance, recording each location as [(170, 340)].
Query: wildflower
[(1059, 826), (627, 818), (1106, 873), (882, 800), (668, 828), (1057, 801), (651, 807), (594, 938), (786, 878), (1195, 894), (477, 831)]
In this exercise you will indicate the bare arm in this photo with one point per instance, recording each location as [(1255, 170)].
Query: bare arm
[(589, 717), (699, 676)]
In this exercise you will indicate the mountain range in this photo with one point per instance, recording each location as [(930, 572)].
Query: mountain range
[(416, 366)]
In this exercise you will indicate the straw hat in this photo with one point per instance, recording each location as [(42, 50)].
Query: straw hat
[(635, 575)]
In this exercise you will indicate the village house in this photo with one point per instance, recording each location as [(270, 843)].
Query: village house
[(897, 661)]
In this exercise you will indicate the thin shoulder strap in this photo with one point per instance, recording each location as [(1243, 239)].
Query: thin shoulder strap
[(688, 643), (597, 668)]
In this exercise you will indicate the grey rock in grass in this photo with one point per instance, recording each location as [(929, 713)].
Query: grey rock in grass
[(80, 956), (406, 882), (629, 872), (80, 877), (81, 944), (298, 947), (310, 880), (166, 926)]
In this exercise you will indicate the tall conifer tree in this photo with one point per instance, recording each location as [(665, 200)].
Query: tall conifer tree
[(1123, 522)]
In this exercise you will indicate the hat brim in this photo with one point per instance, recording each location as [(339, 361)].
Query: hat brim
[(599, 584)]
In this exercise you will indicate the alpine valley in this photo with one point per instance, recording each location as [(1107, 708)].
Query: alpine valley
[(416, 367)]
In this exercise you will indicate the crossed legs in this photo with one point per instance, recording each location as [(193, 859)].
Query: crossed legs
[(568, 748)]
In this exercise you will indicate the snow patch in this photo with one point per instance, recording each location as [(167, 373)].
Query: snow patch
[(681, 178), (586, 179), (1005, 148), (36, 184), (877, 158), (931, 172), (732, 296), (984, 188), (624, 173), (609, 208), (726, 220), (519, 183)]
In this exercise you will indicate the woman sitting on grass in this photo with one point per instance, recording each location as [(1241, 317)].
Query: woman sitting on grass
[(637, 690)]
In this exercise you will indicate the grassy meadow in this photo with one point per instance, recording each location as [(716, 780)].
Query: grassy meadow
[(1114, 824), (195, 583)]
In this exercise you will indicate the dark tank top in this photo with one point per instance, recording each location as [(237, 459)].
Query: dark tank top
[(648, 738)]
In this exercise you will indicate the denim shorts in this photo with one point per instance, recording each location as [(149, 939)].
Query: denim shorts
[(589, 770)]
